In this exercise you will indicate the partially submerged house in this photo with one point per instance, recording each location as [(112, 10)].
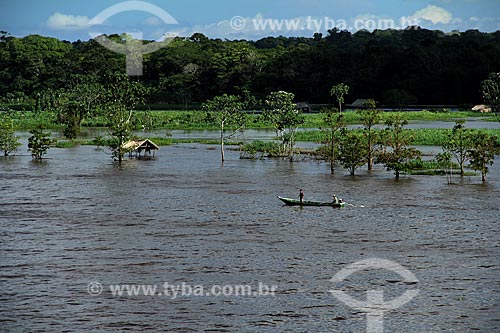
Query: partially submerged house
[(141, 148), (303, 106), (481, 108), (360, 103)]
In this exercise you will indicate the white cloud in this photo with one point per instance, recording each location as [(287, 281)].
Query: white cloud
[(67, 22), (434, 14)]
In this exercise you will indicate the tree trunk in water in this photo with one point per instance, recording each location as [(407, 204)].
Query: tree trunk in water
[(397, 174), (483, 177), (120, 156), (222, 143), (332, 158), (370, 151)]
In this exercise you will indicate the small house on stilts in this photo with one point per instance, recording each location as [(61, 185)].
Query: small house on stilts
[(136, 148)]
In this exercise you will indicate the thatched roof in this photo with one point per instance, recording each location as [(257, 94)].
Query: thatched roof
[(359, 103), (482, 108), (140, 145)]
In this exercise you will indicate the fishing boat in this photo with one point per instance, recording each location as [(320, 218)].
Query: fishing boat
[(296, 202)]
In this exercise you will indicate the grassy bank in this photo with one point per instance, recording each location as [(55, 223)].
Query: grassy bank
[(158, 140), (422, 137), (26, 120)]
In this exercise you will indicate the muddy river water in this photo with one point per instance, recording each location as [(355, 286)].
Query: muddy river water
[(76, 224)]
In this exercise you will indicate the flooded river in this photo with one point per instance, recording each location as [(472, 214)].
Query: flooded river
[(76, 220)]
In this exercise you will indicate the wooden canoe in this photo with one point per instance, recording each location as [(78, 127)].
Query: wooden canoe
[(296, 202)]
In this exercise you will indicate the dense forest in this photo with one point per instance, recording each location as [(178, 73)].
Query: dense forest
[(394, 67)]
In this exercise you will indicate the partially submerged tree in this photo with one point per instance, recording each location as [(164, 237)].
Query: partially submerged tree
[(490, 89), (334, 123), (352, 150), (483, 153), (370, 118), (71, 117), (39, 142), (339, 91), (458, 144), (227, 110), (397, 153), (8, 141), (85, 99), (282, 112), (122, 96)]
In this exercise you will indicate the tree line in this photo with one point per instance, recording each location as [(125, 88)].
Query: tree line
[(394, 67)]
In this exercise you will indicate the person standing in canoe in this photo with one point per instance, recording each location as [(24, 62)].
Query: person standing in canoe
[(301, 196)]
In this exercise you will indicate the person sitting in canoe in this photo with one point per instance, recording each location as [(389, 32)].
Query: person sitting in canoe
[(335, 199), (301, 196)]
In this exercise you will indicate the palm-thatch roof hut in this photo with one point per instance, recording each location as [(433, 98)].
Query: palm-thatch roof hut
[(481, 108), (137, 147)]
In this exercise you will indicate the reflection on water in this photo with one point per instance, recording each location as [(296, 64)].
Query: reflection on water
[(77, 218)]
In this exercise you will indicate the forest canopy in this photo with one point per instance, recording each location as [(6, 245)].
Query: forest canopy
[(394, 67)]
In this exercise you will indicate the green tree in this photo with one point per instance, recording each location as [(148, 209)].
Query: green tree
[(339, 91), (490, 89), (71, 118), (370, 104), (399, 98), (370, 118), (458, 144), (397, 153), (334, 123), (122, 96), (39, 142), (352, 150), (282, 112), (8, 141), (483, 153), (227, 110), (81, 100)]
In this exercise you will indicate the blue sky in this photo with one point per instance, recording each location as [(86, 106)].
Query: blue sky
[(235, 19)]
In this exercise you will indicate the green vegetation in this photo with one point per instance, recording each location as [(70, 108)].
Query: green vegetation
[(39, 142), (8, 141), (352, 150), (123, 95), (260, 149), (370, 118), (421, 136), (66, 144), (397, 151), (334, 123), (161, 141), (65, 86), (339, 91), (458, 143), (285, 118), (435, 167), (490, 89), (226, 110), (483, 152), (195, 120), (395, 67)]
